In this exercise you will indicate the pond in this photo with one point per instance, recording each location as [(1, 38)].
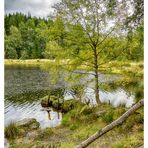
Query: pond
[(24, 88)]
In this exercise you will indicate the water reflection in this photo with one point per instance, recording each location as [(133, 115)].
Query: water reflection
[(25, 87), (118, 97), (32, 110), (49, 115)]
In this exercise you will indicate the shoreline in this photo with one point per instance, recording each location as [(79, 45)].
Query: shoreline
[(115, 67)]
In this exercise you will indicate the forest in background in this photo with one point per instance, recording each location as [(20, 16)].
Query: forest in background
[(28, 37)]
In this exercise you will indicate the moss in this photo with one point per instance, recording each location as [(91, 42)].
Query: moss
[(58, 104), (28, 124), (44, 133), (130, 141)]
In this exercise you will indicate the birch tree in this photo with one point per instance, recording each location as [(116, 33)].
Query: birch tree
[(97, 35)]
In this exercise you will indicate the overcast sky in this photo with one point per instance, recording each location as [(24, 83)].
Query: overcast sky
[(39, 8)]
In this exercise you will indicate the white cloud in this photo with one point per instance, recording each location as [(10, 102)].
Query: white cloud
[(39, 8)]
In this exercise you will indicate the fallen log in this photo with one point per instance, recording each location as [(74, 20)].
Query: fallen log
[(109, 127)]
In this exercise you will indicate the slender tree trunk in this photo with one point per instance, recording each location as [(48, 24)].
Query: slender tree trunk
[(97, 88), (96, 76), (109, 127)]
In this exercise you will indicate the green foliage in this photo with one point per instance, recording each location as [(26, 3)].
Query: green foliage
[(80, 114), (135, 49), (52, 50), (11, 131), (35, 37), (25, 35), (24, 55), (11, 53)]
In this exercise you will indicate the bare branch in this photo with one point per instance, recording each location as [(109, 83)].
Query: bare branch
[(106, 37)]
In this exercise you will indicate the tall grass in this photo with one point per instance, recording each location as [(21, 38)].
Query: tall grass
[(11, 131)]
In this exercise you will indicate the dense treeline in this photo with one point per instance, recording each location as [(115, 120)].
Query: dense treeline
[(25, 36), (29, 37)]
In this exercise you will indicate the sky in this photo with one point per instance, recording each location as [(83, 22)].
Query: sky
[(38, 8)]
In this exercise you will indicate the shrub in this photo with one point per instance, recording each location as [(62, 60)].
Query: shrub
[(11, 131)]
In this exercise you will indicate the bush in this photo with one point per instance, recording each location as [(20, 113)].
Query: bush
[(11, 131)]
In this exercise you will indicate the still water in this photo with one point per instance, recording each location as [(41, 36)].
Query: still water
[(24, 88)]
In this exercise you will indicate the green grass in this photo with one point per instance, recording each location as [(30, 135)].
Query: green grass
[(130, 141), (118, 67), (31, 62), (108, 117), (81, 114), (27, 63), (66, 145), (85, 131), (44, 133), (82, 122), (124, 67)]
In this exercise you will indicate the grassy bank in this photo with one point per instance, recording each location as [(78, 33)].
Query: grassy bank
[(30, 62), (82, 122), (124, 68), (118, 67)]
